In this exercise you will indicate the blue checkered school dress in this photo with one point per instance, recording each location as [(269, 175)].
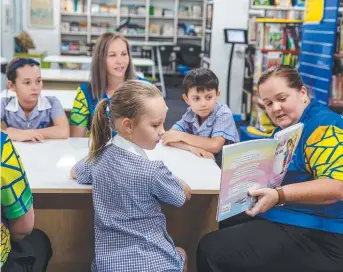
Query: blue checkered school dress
[(130, 229)]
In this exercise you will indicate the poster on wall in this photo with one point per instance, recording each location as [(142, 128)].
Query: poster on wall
[(209, 12), (41, 13), (7, 17), (207, 46)]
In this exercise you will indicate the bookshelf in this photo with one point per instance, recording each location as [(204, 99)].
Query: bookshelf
[(336, 90), (274, 39), (278, 21), (150, 20), (253, 6)]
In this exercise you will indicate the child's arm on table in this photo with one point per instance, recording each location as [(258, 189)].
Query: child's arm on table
[(81, 172), (22, 135), (73, 173), (213, 145), (195, 150), (167, 188), (224, 129)]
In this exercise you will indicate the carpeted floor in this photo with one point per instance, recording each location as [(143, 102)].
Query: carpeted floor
[(177, 107)]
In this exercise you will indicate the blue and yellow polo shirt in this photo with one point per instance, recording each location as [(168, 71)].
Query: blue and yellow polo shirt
[(84, 106), (16, 196), (319, 155)]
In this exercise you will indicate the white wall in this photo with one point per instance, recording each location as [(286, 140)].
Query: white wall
[(45, 39), (6, 36), (228, 14)]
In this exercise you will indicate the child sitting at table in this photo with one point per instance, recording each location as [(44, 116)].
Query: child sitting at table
[(207, 125), (30, 116), (130, 229)]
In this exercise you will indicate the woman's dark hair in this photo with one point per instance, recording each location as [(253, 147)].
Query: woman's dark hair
[(290, 74), (11, 69)]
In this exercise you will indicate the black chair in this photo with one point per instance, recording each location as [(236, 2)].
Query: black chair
[(167, 58), (190, 55), (166, 51)]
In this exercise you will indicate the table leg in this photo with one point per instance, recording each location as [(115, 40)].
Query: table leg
[(153, 68), (160, 71)]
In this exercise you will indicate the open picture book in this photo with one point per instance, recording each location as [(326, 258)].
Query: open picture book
[(254, 164)]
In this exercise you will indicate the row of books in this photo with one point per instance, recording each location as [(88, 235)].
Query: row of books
[(74, 26), (80, 6), (264, 61), (281, 37), (76, 47), (336, 97), (73, 6), (274, 59), (339, 36), (168, 30), (280, 3), (337, 89)]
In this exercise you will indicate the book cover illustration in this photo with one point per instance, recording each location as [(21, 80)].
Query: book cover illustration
[(245, 165), (287, 141), (254, 164)]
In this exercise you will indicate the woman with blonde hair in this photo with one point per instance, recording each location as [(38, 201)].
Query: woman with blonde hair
[(111, 65)]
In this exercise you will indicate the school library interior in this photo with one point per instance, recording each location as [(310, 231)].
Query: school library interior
[(136, 133)]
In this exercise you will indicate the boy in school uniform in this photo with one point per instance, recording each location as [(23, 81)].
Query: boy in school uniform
[(207, 125)]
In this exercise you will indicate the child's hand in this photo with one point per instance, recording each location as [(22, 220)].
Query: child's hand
[(172, 137), (28, 135), (36, 136), (73, 173), (19, 135), (201, 152)]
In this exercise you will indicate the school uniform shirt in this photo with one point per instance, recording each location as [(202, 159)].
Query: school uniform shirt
[(219, 123), (319, 155), (16, 196), (84, 105), (130, 229), (47, 109)]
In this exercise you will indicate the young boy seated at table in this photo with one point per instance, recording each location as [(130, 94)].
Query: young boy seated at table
[(30, 116), (207, 125)]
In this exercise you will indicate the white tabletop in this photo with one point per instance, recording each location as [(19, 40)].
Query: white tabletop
[(150, 43), (65, 75), (48, 166), (139, 62), (65, 97), (3, 60)]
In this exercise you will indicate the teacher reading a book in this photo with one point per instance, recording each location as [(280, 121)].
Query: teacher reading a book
[(297, 227)]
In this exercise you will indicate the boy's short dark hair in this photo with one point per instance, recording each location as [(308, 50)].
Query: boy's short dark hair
[(202, 79)]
